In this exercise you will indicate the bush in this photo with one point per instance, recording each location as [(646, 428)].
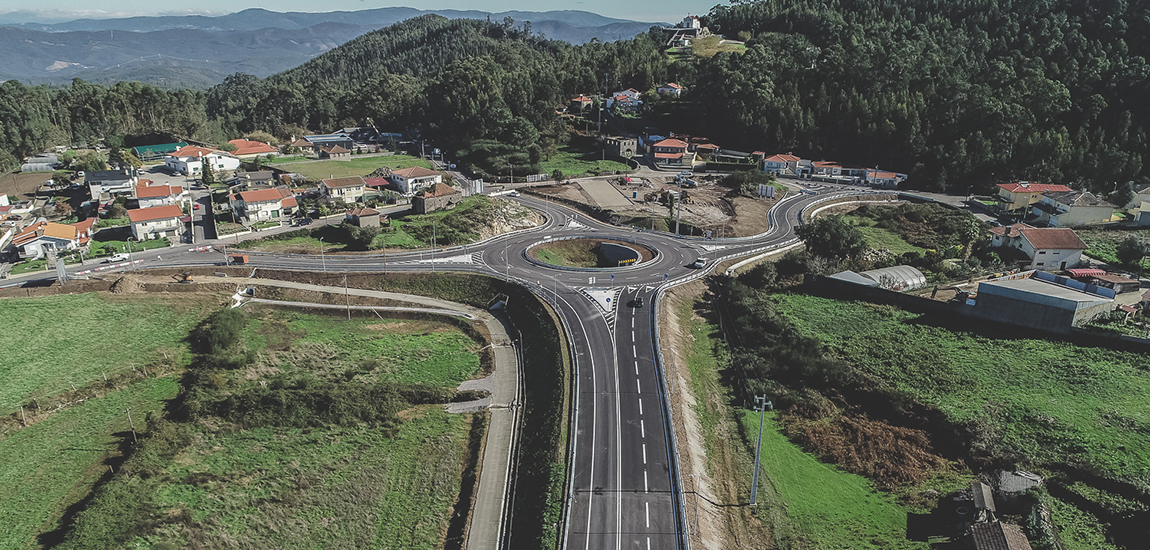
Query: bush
[(219, 332)]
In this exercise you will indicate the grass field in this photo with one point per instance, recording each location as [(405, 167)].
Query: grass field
[(366, 349), (830, 508), (1103, 245), (321, 488), (357, 166), (1049, 401), (879, 238), (49, 466), (572, 162), (803, 502), (72, 339)]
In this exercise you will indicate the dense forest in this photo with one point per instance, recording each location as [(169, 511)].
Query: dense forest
[(957, 94)]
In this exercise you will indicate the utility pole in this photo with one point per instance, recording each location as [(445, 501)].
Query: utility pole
[(679, 212), (346, 296), (321, 258), (433, 246), (761, 405)]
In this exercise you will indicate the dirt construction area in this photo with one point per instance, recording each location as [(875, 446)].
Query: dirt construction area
[(644, 201)]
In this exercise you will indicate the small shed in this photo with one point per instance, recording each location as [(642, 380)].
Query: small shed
[(363, 217), (984, 509), (1118, 283), (334, 152)]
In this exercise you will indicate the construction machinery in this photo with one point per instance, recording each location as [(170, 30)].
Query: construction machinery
[(185, 277)]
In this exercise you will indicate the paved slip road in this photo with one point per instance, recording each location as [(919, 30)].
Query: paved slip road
[(624, 482)]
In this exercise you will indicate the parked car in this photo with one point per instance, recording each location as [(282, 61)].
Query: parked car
[(196, 206)]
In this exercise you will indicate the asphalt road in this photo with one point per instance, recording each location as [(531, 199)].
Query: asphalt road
[(625, 487)]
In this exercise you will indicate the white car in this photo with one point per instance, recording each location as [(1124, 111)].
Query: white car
[(116, 258), (513, 194), (699, 263)]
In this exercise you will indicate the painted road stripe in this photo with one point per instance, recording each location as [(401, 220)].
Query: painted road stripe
[(640, 407), (648, 514), (638, 388), (644, 481), (642, 430), (644, 453)]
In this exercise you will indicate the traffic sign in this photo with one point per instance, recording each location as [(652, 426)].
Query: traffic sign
[(665, 276)]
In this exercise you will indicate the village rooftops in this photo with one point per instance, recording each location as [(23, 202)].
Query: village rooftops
[(1029, 187), (45, 229), (783, 158), (334, 150), (1076, 198), (1054, 238), (151, 192), (998, 536), (1011, 230), (248, 147), (671, 142), (360, 212), (414, 172), (262, 195), (440, 190), (155, 213), (194, 151)]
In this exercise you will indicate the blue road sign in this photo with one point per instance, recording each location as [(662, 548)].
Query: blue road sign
[(665, 276)]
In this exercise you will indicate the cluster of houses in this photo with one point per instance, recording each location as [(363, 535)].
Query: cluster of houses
[(1052, 205), (340, 144), (624, 101)]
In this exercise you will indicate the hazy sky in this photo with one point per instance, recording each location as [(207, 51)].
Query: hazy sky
[(56, 10)]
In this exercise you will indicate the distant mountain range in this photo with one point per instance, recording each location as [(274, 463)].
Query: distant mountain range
[(198, 51)]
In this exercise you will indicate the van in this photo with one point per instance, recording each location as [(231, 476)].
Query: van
[(699, 263)]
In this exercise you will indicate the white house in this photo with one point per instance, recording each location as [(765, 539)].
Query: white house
[(108, 184), (1046, 249), (189, 160), (264, 204), (782, 164), (879, 178), (37, 239), (349, 189), (409, 180), (691, 22), (160, 195), (1141, 195), (156, 222), (1071, 209), (670, 88)]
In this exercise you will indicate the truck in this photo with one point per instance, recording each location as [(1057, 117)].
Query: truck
[(237, 259)]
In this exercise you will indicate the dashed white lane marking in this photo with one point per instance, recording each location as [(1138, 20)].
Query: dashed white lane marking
[(634, 351), (648, 543), (638, 388), (644, 453), (636, 368), (640, 407), (645, 481), (642, 430), (648, 514)]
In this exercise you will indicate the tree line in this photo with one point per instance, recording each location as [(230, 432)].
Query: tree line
[(959, 95)]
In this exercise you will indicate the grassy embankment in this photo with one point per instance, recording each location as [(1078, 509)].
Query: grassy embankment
[(573, 162), (356, 166), (879, 238), (567, 253), (803, 502), (52, 464)]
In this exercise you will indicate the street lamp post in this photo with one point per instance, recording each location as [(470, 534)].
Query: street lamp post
[(761, 405), (511, 169), (321, 258)]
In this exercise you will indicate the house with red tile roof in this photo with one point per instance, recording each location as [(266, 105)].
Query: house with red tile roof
[(1071, 209), (264, 204), (247, 149), (1016, 197), (780, 164), (157, 222), (579, 103), (410, 180), (159, 195), (349, 189), (670, 89), (190, 160), (670, 152), (1046, 249), (438, 197), (37, 239)]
